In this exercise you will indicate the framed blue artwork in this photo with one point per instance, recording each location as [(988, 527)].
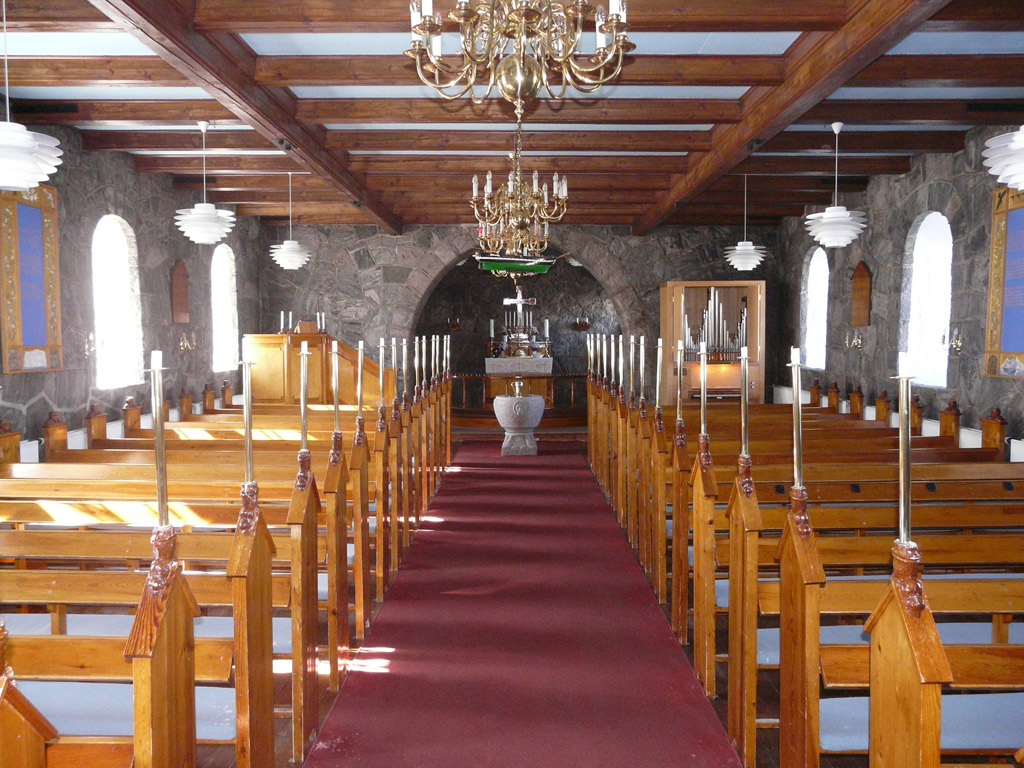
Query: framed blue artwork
[(29, 281)]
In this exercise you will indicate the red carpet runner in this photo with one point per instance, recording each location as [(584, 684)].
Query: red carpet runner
[(521, 633)]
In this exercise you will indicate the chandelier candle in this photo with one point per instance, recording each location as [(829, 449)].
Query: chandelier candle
[(156, 380), (904, 382), (335, 383), (744, 396), (303, 381), (247, 416), (798, 431)]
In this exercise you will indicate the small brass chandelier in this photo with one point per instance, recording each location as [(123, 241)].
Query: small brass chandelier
[(518, 45), (515, 218)]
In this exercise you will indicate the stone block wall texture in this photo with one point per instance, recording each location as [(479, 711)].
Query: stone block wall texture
[(89, 186), (373, 284), (956, 185)]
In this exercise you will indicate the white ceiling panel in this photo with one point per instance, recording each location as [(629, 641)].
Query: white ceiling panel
[(100, 93), (75, 44), (904, 94), (608, 92), (827, 128), (504, 153), (527, 125), (921, 43)]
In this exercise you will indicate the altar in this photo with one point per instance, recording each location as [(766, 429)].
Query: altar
[(534, 372), (519, 354)]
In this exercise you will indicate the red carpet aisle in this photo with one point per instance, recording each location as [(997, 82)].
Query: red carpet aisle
[(520, 633)]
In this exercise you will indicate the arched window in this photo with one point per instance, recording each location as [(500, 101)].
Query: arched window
[(224, 309), (926, 301), (816, 310), (116, 304)]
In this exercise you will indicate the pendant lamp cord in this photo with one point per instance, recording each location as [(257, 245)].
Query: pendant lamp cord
[(290, 206), (7, 82), (744, 207), (202, 129)]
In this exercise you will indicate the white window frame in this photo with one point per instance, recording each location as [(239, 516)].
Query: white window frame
[(117, 304), (223, 310), (927, 299)]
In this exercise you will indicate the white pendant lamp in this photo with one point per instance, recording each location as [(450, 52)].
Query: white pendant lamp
[(744, 256), (203, 223), (290, 254), (1004, 158), (26, 157), (836, 227)]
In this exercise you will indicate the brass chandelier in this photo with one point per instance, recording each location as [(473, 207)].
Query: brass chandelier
[(513, 221), (518, 45)]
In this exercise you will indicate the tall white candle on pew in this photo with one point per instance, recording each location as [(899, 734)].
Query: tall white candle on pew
[(744, 393), (394, 363), (641, 366), (657, 377), (405, 366), (359, 382), (798, 430), (156, 378), (632, 350), (904, 381), (448, 354), (380, 371), (336, 385), (679, 380), (416, 361), (703, 388), (303, 383), (247, 417)]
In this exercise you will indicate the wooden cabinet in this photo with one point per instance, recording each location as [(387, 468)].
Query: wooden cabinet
[(532, 385), (684, 306), (277, 369)]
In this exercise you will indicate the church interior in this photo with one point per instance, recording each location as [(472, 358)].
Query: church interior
[(512, 383)]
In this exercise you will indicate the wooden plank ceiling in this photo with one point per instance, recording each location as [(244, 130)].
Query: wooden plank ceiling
[(716, 89)]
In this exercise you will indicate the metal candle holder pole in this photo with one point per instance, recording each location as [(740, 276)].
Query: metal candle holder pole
[(703, 388), (304, 354), (622, 363), (394, 363), (405, 370), (657, 377), (336, 386), (247, 417), (156, 380), (632, 351), (679, 381), (744, 404), (904, 385), (641, 364), (798, 431), (380, 369)]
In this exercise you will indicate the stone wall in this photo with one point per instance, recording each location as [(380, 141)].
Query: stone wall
[(372, 284), (90, 185), (956, 185)]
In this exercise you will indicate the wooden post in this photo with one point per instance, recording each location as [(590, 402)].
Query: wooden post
[(209, 398), (801, 576), (883, 407), (993, 430), (165, 411), (833, 397), (949, 422), (358, 467), (162, 649), (303, 515), (131, 414), (335, 502), (408, 474), (661, 474), (25, 731), (857, 402), (397, 490), (95, 425), (631, 480), (55, 436), (385, 510), (645, 431), (704, 495), (184, 404), (815, 390), (248, 570), (916, 415), (744, 530), (907, 669), (227, 394)]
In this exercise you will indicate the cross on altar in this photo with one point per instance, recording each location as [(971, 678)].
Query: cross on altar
[(519, 302)]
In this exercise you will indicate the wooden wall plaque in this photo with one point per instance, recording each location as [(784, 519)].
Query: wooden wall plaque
[(1004, 333), (179, 292), (860, 310)]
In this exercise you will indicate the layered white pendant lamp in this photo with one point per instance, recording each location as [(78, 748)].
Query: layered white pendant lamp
[(203, 223), (744, 256), (1004, 158), (290, 254), (836, 227), (26, 157)]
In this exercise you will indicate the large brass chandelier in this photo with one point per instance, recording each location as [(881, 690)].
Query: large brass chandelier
[(513, 220), (518, 45)]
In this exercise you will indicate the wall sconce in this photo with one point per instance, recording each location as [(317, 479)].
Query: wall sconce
[(90, 346), (454, 327), (856, 341), (184, 344), (956, 342), (581, 324)]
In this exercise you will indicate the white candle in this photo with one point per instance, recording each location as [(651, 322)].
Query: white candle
[(305, 347), (598, 34), (743, 353), (492, 327), (536, 182), (565, 187), (290, 326), (794, 355), (476, 187), (903, 367), (156, 360), (703, 348), (641, 366), (282, 320), (487, 185), (547, 329)]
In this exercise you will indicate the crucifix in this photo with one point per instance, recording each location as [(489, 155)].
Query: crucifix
[(519, 303)]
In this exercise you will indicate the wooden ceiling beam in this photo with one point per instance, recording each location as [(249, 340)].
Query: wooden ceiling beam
[(947, 71), (809, 165), (787, 184), (976, 16), (55, 16), (415, 111), (223, 65), (393, 15), (61, 71), (135, 113), (461, 182), (909, 112), (696, 70), (172, 141), (865, 141), (818, 64)]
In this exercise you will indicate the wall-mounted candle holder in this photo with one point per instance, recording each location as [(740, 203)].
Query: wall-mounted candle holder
[(854, 342), (956, 342)]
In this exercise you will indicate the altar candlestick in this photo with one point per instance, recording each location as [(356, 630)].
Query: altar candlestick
[(798, 432), (657, 377), (303, 382), (156, 379), (703, 388), (335, 385), (744, 397), (492, 328)]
